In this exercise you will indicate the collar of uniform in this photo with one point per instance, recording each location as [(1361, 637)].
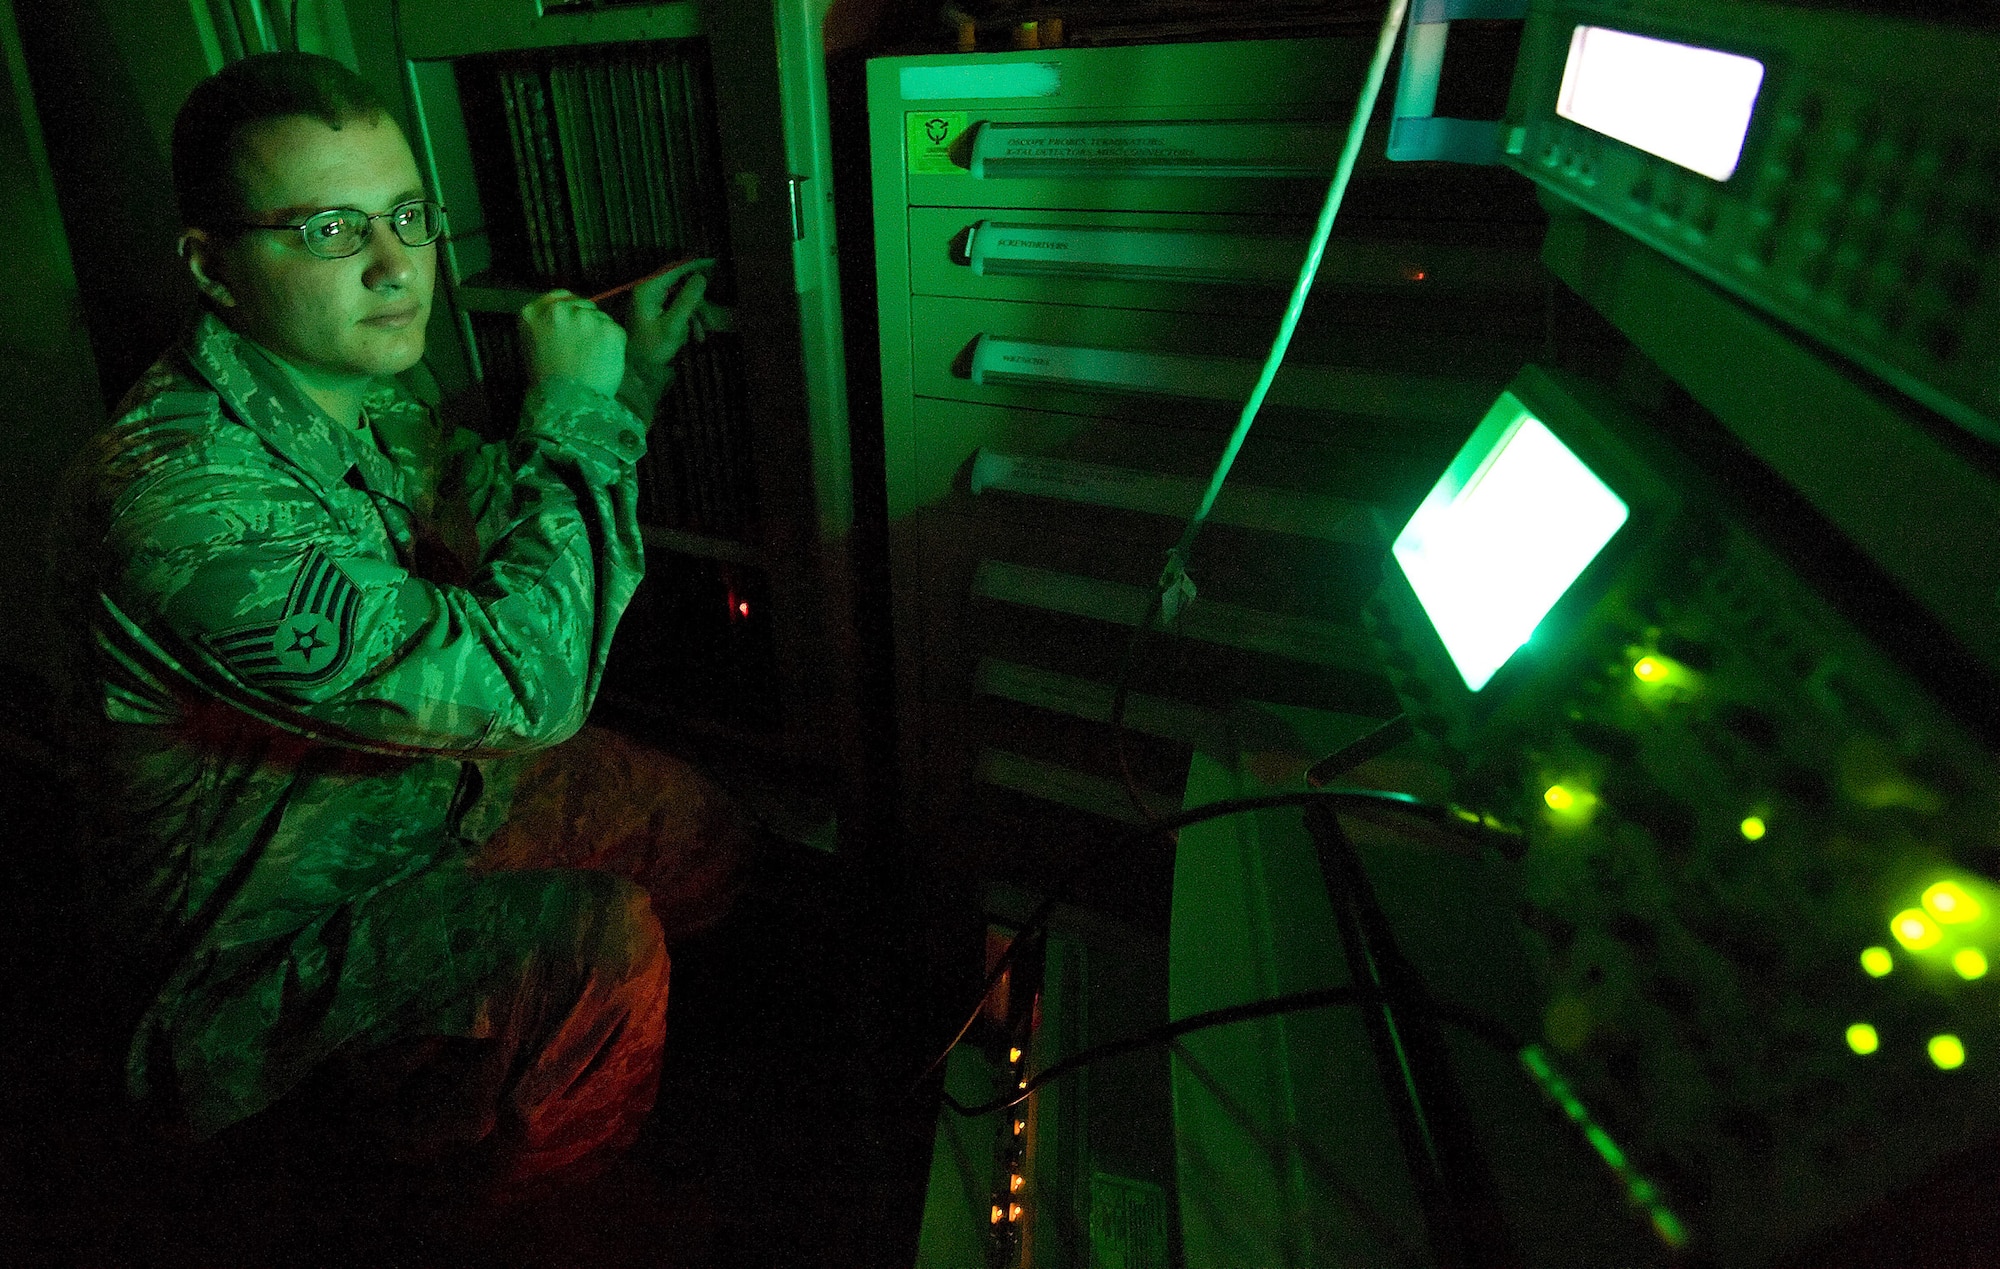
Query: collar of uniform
[(257, 392)]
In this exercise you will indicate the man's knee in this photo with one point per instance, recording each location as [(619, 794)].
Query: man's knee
[(622, 938)]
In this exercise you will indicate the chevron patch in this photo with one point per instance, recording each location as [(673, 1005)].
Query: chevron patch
[(309, 643)]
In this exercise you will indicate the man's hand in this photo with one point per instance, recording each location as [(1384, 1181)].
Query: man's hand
[(565, 336), (660, 327)]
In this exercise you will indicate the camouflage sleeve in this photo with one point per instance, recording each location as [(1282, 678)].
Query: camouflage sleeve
[(270, 594)]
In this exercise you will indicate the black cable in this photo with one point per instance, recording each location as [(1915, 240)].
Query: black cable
[(1116, 848), (1119, 697), (1359, 750), (1483, 1029)]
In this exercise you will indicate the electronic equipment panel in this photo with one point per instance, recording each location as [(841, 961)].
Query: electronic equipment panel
[(1757, 882), (1840, 170)]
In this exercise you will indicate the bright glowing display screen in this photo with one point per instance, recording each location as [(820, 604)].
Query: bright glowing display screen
[(1687, 105), (1512, 523)]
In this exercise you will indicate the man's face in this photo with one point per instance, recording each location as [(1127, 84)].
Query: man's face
[(360, 316)]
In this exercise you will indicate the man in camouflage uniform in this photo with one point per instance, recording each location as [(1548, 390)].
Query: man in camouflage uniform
[(324, 639)]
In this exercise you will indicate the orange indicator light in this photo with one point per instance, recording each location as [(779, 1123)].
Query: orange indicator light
[(997, 1213), (1014, 1183)]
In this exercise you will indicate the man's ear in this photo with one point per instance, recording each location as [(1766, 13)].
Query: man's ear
[(204, 261)]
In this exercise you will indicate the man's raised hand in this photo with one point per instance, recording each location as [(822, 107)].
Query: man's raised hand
[(566, 336), (660, 326)]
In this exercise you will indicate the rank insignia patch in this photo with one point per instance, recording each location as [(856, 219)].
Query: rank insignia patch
[(310, 642)]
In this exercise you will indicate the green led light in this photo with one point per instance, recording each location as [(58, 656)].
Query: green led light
[(1650, 670), (1970, 962), (1513, 522), (1559, 798), (1606, 1148), (1752, 828), (1877, 961), (1914, 930), (1862, 1039), (1950, 904), (1948, 1051), (1641, 1192)]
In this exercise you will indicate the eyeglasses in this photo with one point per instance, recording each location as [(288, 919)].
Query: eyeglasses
[(339, 232)]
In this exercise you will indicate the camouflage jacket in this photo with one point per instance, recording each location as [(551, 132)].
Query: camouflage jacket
[(285, 712)]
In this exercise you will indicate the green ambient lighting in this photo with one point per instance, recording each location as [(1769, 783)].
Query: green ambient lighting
[(1862, 1039), (1970, 963), (1752, 828), (1500, 537), (1914, 929), (1950, 904), (1877, 961), (1948, 1051), (1688, 105)]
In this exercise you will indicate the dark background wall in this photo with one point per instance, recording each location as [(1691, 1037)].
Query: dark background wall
[(51, 398)]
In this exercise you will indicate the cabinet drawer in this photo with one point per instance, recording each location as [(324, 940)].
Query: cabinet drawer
[(947, 434), (1142, 160), (1192, 263), (1131, 363)]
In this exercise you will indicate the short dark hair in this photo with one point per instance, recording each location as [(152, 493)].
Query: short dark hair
[(210, 126)]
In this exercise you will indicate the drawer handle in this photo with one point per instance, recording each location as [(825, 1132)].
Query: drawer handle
[(1138, 255), (996, 361), (1221, 148), (1018, 361)]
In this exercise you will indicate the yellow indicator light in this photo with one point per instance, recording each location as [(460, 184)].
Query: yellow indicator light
[(1024, 1084), (1862, 1039), (1877, 961), (1013, 1211), (1572, 805), (1013, 1055), (1950, 904), (1014, 1183), (997, 1213), (1650, 670), (1970, 962), (1914, 930), (1948, 1051), (1752, 827)]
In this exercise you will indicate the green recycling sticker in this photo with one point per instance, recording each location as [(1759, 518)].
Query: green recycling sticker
[(930, 136)]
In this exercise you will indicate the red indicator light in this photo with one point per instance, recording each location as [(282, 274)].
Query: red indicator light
[(743, 608)]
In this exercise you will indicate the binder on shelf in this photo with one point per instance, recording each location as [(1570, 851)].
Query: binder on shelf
[(553, 207), (525, 169)]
